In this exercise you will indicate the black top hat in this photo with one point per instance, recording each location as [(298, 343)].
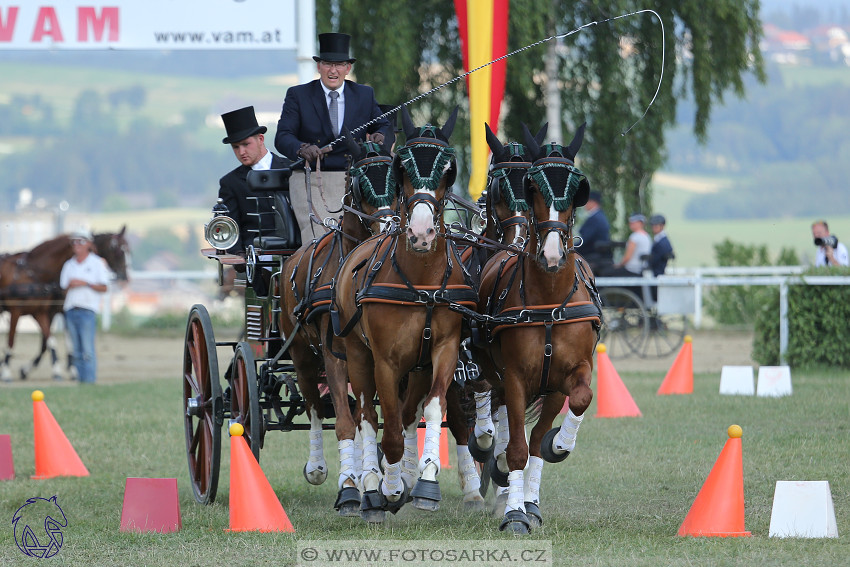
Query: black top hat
[(333, 47), (241, 124)]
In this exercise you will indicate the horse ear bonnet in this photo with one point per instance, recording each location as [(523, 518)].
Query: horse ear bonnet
[(533, 148)]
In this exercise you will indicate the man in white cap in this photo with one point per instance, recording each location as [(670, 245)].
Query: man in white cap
[(84, 277)]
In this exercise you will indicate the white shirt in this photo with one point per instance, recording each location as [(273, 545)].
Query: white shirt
[(840, 255), (264, 164), (643, 247), (340, 102), (92, 270)]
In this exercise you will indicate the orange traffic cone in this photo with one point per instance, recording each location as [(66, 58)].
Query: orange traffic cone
[(680, 377), (612, 396), (444, 445), (718, 510), (254, 507), (54, 455)]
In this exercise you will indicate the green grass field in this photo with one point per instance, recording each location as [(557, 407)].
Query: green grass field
[(618, 500)]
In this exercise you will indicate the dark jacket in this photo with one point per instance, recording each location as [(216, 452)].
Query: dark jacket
[(594, 231), (662, 251), (305, 119), (233, 188)]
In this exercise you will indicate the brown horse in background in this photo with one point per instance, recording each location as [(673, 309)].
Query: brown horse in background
[(371, 200), (545, 322), (391, 306), (29, 285)]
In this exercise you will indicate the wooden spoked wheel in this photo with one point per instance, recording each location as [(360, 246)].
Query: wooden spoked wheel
[(245, 398), (666, 334), (202, 405), (625, 322)]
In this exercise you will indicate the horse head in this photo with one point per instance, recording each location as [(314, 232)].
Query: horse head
[(554, 188), (372, 189), (426, 169), (113, 248), (506, 204)]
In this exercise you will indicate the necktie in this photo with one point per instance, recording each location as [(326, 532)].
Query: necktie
[(334, 110)]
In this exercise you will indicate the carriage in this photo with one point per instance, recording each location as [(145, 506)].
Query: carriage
[(401, 322)]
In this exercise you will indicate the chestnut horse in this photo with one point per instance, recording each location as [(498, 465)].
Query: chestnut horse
[(370, 201), (29, 285), (391, 306), (545, 318)]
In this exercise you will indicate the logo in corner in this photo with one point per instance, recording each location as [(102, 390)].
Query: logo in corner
[(38, 527)]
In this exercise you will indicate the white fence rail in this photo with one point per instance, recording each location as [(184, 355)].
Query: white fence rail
[(684, 281)]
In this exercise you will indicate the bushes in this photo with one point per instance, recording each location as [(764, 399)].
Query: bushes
[(738, 305), (817, 324)]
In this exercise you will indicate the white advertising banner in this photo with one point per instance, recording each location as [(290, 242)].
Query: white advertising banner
[(148, 24)]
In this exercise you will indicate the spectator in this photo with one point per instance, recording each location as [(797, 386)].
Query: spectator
[(638, 249), (662, 250), (84, 277), (595, 235), (313, 116), (830, 251)]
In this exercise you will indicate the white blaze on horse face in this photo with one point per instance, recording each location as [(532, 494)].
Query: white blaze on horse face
[(420, 227), (553, 251)]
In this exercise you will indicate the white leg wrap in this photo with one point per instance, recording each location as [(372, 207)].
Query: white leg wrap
[(371, 470), (533, 475), (5, 373), (316, 469), (484, 427), (565, 440), (392, 485), (57, 369), (516, 492), (429, 463), (358, 455), (410, 457), (470, 482), (502, 437), (347, 470)]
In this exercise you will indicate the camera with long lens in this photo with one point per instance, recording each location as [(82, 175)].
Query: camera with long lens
[(830, 241)]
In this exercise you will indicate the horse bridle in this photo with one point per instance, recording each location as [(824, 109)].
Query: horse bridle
[(503, 178), (362, 188), (539, 174), (442, 164)]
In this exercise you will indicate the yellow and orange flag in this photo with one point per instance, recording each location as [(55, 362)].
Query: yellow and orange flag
[(483, 26)]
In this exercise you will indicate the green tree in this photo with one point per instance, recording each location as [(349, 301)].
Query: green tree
[(607, 73)]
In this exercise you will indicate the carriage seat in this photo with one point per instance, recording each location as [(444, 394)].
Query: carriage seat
[(287, 234)]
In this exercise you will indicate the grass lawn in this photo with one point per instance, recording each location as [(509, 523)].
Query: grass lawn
[(617, 500)]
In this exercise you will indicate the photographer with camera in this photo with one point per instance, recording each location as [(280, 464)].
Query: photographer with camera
[(830, 251)]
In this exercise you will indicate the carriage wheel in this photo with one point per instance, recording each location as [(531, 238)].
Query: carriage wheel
[(626, 323), (666, 334), (202, 405), (245, 398)]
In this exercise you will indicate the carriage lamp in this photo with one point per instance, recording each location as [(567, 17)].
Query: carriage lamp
[(221, 232)]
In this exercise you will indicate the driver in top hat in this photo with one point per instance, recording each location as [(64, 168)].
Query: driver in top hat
[(306, 127)]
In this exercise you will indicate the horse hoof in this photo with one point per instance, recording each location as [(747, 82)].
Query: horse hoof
[(534, 516), (474, 505), (499, 504), (547, 452), (393, 506), (426, 495), (479, 454), (372, 507), (499, 478), (348, 502), (515, 522), (316, 477)]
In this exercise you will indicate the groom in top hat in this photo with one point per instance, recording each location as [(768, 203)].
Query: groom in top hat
[(314, 115), (246, 139)]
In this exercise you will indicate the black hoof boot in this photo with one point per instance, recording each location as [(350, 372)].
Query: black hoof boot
[(372, 507), (393, 507), (479, 454), (499, 478), (549, 455), (348, 501), (426, 495), (535, 519), (515, 522)]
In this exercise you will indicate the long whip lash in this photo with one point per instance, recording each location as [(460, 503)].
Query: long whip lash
[(535, 44)]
